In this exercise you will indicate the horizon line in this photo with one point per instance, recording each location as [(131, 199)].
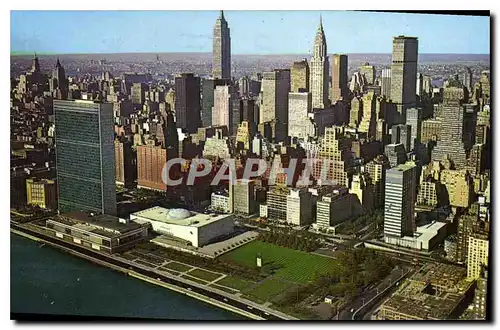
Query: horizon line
[(26, 53)]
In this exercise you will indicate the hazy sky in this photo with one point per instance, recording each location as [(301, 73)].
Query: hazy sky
[(252, 32)]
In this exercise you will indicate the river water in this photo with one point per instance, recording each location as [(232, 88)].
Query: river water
[(45, 280)]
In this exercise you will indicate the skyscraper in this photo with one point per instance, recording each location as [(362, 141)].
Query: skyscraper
[(451, 142), (319, 70), (368, 123), (467, 79), (420, 84), (414, 120), (299, 106), (226, 107), (85, 156), (404, 74), (274, 98), (58, 84), (299, 75), (339, 77), (221, 55), (369, 72), (187, 102), (207, 101), (400, 197), (386, 83)]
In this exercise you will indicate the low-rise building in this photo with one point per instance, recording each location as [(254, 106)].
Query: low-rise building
[(97, 231), (220, 201), (42, 193), (196, 229), (435, 292)]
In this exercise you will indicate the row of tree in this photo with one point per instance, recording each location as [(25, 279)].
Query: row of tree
[(286, 237)]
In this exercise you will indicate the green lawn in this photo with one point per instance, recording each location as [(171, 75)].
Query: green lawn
[(177, 266), (269, 289), (296, 266), (234, 282), (204, 275)]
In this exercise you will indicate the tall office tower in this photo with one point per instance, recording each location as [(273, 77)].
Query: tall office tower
[(299, 75), (207, 100), (320, 71), (362, 191), (404, 74), (368, 123), (477, 254), (298, 207), (85, 159), (420, 84), (340, 89), (248, 111), (244, 197), (414, 120), (335, 153), (356, 111), (171, 137), (369, 72), (187, 102), (396, 153), (221, 54), (485, 84), (274, 99), (226, 109), (382, 132), (137, 93), (299, 106), (401, 134), (243, 86), (35, 65), (400, 197), (277, 203), (481, 295), (377, 168), (385, 84), (427, 85), (451, 143), (125, 169), (58, 84), (467, 79)]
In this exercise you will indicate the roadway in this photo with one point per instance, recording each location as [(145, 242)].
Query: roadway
[(391, 280), (253, 308)]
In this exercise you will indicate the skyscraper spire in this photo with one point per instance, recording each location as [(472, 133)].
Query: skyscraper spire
[(319, 69), (321, 22), (35, 66), (58, 64), (221, 16)]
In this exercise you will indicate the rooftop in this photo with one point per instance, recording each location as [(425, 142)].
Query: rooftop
[(179, 217), (102, 224)]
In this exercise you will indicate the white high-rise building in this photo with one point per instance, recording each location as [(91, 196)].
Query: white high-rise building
[(400, 196), (319, 72), (298, 207)]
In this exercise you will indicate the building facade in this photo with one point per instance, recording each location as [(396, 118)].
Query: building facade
[(85, 156)]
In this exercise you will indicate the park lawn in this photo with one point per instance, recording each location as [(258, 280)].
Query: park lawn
[(294, 265), (177, 266), (234, 282), (166, 270), (269, 289), (204, 275)]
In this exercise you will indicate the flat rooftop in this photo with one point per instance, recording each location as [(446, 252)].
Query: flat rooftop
[(102, 224), (179, 217)]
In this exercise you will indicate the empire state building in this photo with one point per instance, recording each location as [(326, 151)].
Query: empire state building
[(221, 56), (319, 71)]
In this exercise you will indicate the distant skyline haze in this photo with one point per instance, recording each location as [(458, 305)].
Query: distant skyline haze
[(252, 32)]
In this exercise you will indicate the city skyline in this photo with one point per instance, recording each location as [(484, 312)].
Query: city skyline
[(253, 32)]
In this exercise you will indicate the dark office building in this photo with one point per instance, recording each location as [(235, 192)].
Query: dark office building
[(187, 102), (207, 92)]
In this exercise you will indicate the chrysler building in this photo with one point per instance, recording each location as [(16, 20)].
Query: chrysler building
[(319, 72)]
